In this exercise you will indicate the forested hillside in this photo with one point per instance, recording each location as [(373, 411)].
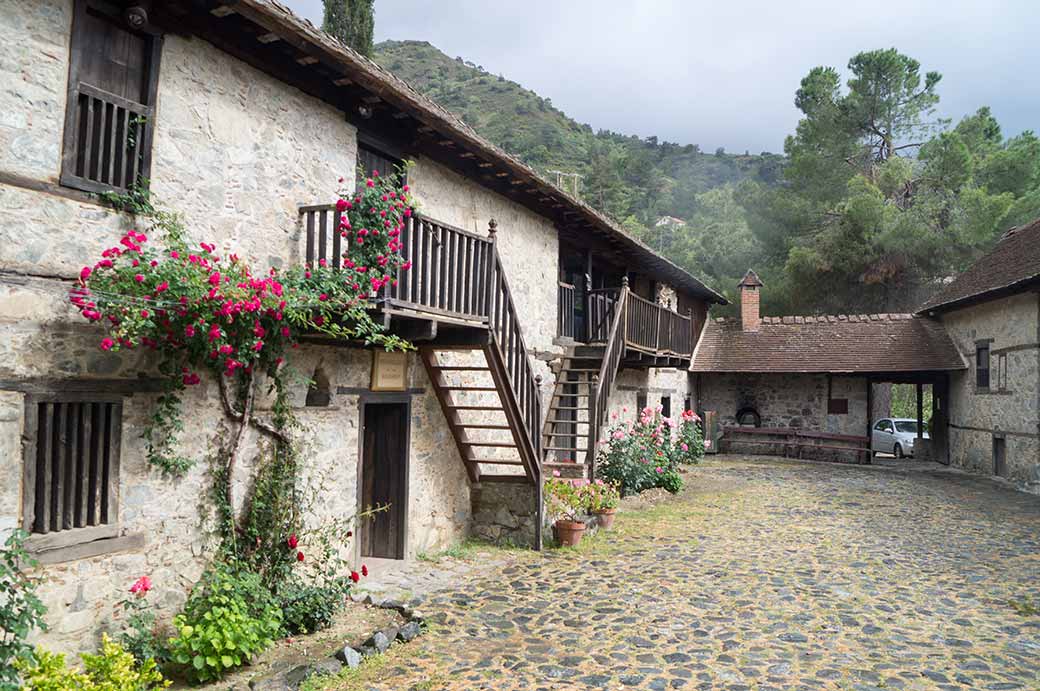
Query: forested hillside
[(874, 200), (631, 178)]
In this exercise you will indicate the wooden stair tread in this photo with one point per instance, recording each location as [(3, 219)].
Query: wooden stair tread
[(492, 461), (496, 444), (554, 421), (460, 368), (567, 407), (476, 426), (575, 435), (468, 388), (564, 448), (504, 478), (478, 407)]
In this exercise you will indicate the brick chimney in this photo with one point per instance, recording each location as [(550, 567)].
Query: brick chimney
[(749, 294)]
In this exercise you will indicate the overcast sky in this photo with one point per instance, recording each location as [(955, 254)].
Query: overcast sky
[(724, 73)]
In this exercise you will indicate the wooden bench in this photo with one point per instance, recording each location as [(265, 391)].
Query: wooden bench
[(799, 441)]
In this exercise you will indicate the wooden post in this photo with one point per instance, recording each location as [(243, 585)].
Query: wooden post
[(489, 274), (870, 422), (920, 411)]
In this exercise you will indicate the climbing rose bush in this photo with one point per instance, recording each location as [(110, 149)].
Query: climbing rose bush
[(206, 310), (638, 456)]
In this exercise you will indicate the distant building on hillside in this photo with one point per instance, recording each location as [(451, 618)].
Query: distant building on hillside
[(669, 222)]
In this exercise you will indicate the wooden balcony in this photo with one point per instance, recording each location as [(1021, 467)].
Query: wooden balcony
[(653, 335), (454, 296), (448, 282)]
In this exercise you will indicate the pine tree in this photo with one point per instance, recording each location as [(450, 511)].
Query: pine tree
[(352, 22)]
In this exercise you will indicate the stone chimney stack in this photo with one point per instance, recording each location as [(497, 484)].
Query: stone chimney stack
[(749, 301)]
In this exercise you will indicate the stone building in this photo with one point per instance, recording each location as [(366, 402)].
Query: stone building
[(242, 118), (816, 373), (992, 313)]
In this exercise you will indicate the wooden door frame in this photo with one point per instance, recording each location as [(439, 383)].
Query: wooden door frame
[(364, 400)]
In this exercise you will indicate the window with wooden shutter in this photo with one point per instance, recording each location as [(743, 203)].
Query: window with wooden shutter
[(71, 481), (109, 115)]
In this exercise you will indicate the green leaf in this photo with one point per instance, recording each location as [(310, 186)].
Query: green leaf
[(198, 662)]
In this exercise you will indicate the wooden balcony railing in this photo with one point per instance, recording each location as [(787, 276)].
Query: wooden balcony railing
[(655, 330), (450, 266), (110, 144), (603, 304), (565, 311)]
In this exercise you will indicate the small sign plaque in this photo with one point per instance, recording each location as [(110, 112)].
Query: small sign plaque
[(389, 371)]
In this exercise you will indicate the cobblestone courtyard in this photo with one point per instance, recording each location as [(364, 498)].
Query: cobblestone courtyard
[(761, 575)]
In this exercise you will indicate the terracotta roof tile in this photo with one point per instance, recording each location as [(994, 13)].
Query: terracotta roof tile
[(1013, 264), (854, 343)]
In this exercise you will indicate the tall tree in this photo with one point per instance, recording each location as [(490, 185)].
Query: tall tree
[(352, 22), (878, 201)]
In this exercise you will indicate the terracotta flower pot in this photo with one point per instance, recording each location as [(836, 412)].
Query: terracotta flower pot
[(605, 518), (569, 532)]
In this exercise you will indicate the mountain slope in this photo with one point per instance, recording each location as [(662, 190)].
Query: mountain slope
[(635, 180)]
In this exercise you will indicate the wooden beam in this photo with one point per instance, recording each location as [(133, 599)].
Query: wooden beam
[(222, 11), (371, 99), (268, 38), (485, 164), (306, 60), (343, 81)]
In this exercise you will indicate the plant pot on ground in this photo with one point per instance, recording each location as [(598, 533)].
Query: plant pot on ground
[(565, 499), (569, 533), (602, 499)]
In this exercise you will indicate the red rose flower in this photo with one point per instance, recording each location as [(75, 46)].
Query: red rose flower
[(364, 570), (292, 542), (299, 556), (354, 576)]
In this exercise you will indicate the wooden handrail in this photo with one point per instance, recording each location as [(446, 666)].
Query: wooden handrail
[(508, 340), (612, 354)]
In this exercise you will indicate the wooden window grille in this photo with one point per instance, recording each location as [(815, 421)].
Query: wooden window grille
[(71, 479), (982, 366), (110, 112)]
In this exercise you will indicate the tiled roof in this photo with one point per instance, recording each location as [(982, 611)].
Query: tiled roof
[(279, 18), (1012, 265), (856, 343)]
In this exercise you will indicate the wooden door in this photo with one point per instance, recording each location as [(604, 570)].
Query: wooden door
[(384, 479)]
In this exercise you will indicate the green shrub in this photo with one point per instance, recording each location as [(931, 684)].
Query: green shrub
[(634, 457), (689, 443), (309, 607), (112, 669), (20, 609), (229, 618), (671, 480)]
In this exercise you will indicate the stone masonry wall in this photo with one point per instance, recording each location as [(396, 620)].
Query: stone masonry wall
[(977, 416), (235, 151), (786, 400)]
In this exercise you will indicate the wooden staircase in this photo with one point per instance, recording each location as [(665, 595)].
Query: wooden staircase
[(481, 415), (567, 426)]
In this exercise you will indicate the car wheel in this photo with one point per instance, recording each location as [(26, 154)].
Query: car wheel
[(898, 451)]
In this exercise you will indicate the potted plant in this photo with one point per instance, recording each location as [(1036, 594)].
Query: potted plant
[(602, 499), (564, 499)]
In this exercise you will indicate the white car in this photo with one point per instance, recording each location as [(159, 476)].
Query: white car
[(894, 435)]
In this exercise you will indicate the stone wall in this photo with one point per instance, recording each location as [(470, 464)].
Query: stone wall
[(235, 152), (505, 513), (786, 400), (976, 417)]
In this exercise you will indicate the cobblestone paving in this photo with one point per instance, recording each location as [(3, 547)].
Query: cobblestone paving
[(763, 575)]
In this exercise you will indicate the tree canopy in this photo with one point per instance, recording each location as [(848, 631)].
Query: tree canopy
[(352, 22)]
